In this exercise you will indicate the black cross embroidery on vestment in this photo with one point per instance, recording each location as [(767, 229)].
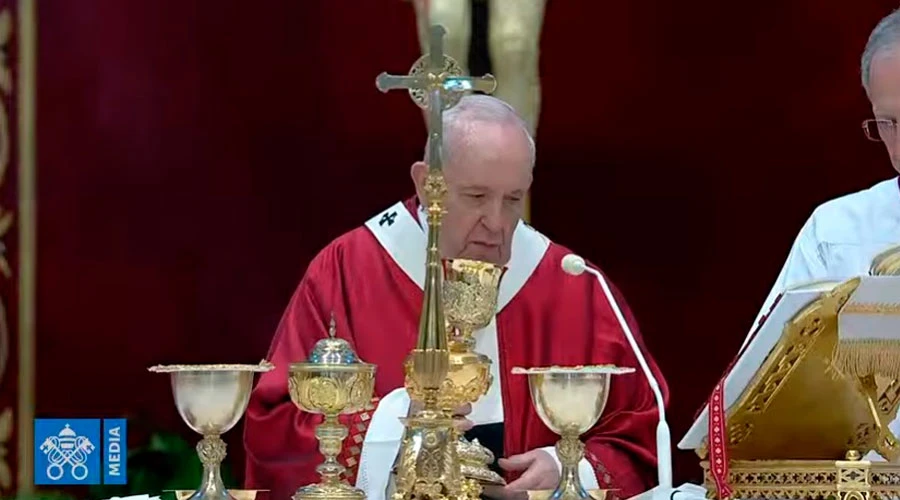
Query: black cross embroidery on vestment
[(388, 218)]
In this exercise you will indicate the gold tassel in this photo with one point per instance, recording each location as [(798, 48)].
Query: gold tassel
[(861, 358)]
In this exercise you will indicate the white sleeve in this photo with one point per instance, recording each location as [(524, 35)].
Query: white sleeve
[(381, 445), (804, 264), (585, 471)]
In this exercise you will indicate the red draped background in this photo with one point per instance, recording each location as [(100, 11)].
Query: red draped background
[(194, 156)]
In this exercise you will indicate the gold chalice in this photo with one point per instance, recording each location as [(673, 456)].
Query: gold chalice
[(569, 401), (332, 382), (470, 303), (211, 399)]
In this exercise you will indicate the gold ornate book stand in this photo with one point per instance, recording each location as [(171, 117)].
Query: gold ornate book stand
[(802, 408)]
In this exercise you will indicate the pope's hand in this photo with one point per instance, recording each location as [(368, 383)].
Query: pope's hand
[(460, 418), (460, 415), (539, 472)]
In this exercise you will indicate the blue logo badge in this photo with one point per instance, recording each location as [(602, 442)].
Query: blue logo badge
[(115, 451), (69, 451), (65, 451)]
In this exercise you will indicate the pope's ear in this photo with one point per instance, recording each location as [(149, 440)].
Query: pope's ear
[(418, 172)]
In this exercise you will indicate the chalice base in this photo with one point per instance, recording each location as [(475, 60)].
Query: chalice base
[(570, 490), (338, 491), (211, 450), (211, 492), (546, 494), (237, 494)]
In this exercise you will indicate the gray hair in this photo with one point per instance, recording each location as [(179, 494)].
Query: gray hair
[(478, 108), (885, 37)]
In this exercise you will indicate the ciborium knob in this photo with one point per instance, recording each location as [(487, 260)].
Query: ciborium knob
[(332, 382), (570, 400)]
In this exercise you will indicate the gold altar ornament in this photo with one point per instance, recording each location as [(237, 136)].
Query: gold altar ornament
[(570, 400), (850, 478), (428, 463), (211, 399), (332, 382)]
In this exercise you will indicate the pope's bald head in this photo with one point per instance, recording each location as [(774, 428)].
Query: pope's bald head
[(465, 123)]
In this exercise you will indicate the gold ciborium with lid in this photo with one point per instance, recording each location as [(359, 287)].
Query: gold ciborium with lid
[(332, 382)]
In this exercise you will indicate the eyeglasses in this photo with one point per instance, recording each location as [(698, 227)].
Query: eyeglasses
[(880, 130)]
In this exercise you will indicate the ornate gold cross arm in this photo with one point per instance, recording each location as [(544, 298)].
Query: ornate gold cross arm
[(386, 82), (445, 82), (436, 83)]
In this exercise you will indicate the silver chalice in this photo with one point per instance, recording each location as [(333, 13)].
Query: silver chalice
[(211, 399)]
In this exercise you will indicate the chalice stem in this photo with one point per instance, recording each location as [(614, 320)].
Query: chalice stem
[(331, 435), (570, 451), (212, 485), (211, 450)]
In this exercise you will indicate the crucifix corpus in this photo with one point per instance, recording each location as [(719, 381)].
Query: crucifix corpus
[(428, 465)]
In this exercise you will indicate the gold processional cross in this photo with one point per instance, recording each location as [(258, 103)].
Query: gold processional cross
[(436, 83), (432, 471)]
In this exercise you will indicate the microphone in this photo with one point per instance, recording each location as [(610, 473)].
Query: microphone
[(574, 265)]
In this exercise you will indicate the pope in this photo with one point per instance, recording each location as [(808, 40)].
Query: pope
[(372, 279)]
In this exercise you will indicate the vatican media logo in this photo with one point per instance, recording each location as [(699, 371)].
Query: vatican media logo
[(69, 451)]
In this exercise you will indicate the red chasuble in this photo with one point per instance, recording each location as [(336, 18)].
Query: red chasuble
[(546, 317)]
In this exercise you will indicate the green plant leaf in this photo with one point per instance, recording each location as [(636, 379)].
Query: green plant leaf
[(42, 495)]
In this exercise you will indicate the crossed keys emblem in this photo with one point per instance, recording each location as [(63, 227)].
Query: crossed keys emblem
[(70, 449)]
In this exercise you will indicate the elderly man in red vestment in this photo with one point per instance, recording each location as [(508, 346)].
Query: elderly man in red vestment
[(371, 279)]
